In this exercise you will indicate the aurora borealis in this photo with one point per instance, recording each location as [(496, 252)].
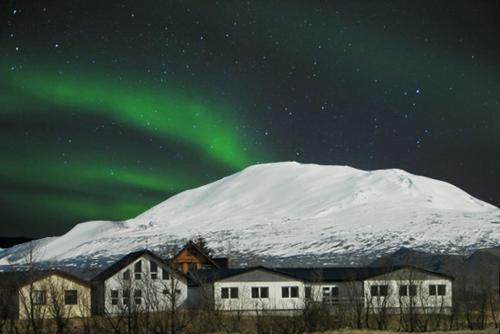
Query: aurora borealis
[(108, 108)]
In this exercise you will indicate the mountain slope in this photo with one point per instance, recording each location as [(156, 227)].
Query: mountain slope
[(321, 214)]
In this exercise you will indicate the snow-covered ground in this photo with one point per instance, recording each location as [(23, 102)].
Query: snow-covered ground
[(289, 209)]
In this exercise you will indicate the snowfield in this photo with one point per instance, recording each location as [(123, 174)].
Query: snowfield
[(318, 214)]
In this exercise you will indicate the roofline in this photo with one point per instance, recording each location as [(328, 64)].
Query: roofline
[(191, 243), (249, 269), (351, 279), (407, 266), (46, 273), (129, 258)]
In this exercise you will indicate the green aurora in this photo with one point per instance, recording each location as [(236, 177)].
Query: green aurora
[(94, 185), (208, 128)]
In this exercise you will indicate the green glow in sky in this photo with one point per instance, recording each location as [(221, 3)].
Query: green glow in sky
[(209, 128)]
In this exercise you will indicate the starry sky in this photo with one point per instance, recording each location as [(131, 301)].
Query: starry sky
[(110, 107)]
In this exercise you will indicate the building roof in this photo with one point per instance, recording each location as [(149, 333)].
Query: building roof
[(200, 251), (17, 279), (343, 274), (128, 259), (310, 275)]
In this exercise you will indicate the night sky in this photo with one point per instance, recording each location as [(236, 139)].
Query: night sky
[(110, 107)]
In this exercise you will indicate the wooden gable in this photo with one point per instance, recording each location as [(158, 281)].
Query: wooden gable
[(192, 258)]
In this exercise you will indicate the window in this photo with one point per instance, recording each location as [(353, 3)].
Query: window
[(114, 297), (260, 292), (70, 297), (331, 291), (408, 290), (126, 297), (290, 292), (437, 290), (137, 297), (154, 270), (379, 290), (308, 292), (126, 275), (164, 273), (229, 293), (39, 297), (138, 269)]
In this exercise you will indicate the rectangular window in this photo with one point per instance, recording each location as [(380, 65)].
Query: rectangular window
[(260, 292), (413, 290), (126, 297), (224, 293), (114, 297), (290, 292), (228, 293), (39, 297), (154, 269), (137, 297), (126, 275), (379, 290), (164, 273), (437, 290), (138, 270), (308, 292), (331, 291), (70, 297)]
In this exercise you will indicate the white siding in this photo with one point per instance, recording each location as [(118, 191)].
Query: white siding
[(152, 290), (275, 301), (422, 298)]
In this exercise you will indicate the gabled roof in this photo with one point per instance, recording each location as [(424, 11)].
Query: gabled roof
[(386, 270), (200, 251), (128, 259), (310, 275), (208, 276), (17, 279)]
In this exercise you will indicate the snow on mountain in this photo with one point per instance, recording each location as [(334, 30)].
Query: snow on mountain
[(325, 213)]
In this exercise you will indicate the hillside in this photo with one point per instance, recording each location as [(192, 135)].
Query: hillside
[(301, 213)]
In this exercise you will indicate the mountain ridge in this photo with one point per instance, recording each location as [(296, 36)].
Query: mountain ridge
[(321, 214)]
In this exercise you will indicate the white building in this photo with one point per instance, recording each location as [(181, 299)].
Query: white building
[(140, 281), (258, 289), (285, 289), (408, 288)]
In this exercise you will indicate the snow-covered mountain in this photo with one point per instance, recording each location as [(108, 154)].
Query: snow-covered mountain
[(300, 212)]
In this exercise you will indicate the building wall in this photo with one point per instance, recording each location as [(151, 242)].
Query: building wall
[(347, 291), (258, 278), (190, 257), (153, 297), (54, 285), (422, 298)]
